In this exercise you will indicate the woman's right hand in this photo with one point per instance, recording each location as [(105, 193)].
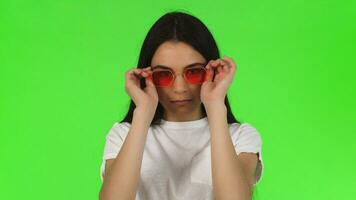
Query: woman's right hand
[(147, 98)]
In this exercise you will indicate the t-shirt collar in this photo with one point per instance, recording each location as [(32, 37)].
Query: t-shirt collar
[(186, 124)]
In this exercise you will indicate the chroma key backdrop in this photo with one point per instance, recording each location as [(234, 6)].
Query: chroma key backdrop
[(62, 66)]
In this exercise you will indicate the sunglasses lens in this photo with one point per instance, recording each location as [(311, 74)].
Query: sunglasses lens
[(162, 78), (195, 75)]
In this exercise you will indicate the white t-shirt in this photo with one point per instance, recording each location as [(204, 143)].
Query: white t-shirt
[(176, 162)]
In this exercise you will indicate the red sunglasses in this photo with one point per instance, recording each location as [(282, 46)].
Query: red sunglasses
[(165, 78)]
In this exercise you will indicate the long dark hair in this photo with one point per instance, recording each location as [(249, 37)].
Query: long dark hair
[(179, 27)]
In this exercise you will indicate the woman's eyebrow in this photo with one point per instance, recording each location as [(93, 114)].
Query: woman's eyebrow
[(166, 67)]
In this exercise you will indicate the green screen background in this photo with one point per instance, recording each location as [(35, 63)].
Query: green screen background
[(62, 66)]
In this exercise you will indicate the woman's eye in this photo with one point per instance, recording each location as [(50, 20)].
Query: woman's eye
[(163, 73), (194, 71)]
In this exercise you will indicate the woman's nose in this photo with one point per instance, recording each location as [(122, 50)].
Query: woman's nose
[(179, 84)]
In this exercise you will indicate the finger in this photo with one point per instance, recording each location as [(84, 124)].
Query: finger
[(210, 72), (225, 65), (139, 72), (215, 63), (208, 65), (144, 73), (146, 69), (149, 82), (218, 64), (136, 71), (132, 76), (231, 62), (220, 68), (132, 73)]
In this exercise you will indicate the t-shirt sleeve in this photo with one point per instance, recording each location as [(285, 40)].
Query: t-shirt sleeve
[(246, 138), (114, 141)]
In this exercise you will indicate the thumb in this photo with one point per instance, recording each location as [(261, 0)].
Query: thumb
[(149, 80), (150, 87)]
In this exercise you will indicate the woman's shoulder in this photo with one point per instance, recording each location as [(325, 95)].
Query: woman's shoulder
[(119, 128), (241, 126), (237, 129), (119, 124)]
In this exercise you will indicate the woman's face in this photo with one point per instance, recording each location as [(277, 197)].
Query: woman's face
[(177, 56)]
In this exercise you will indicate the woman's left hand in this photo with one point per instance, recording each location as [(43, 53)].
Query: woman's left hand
[(215, 91)]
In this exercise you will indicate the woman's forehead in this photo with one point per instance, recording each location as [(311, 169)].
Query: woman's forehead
[(176, 56)]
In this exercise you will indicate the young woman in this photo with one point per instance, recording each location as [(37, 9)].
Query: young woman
[(179, 139)]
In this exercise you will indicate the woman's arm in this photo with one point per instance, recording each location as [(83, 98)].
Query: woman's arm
[(228, 175), (122, 177)]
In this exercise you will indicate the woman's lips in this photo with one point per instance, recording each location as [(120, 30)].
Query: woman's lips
[(181, 102)]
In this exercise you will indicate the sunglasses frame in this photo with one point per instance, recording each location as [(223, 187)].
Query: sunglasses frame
[(184, 76)]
